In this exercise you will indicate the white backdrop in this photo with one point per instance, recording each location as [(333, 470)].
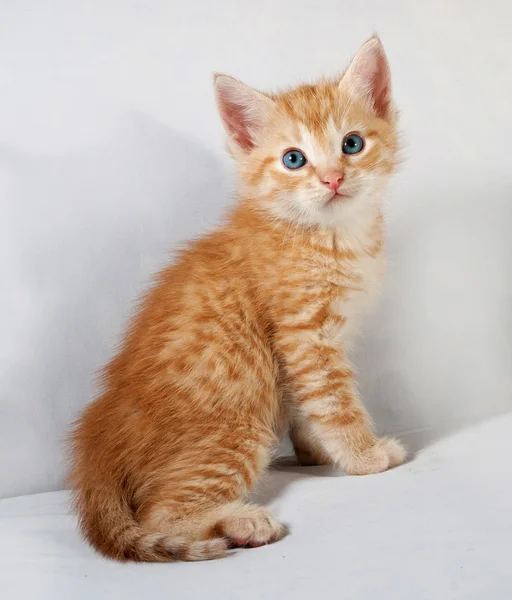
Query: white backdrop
[(111, 153)]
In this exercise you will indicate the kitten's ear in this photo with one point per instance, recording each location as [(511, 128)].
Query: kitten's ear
[(369, 77), (243, 110)]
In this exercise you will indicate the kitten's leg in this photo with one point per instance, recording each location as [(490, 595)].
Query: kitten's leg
[(203, 495), (326, 396), (307, 447)]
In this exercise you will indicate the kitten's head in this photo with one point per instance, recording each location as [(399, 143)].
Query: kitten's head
[(316, 154)]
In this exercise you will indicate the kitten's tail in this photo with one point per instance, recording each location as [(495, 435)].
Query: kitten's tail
[(108, 523)]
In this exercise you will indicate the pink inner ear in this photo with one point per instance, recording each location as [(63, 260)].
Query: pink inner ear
[(237, 123), (369, 76), (380, 87)]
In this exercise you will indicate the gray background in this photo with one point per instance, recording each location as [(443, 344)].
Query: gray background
[(111, 152)]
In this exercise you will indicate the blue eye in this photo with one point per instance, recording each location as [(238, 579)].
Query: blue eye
[(294, 159), (352, 144)]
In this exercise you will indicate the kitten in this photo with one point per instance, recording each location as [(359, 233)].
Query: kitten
[(246, 335)]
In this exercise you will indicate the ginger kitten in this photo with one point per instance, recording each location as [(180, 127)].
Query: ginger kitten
[(247, 334)]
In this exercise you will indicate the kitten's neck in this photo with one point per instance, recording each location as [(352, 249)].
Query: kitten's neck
[(358, 226), (358, 230)]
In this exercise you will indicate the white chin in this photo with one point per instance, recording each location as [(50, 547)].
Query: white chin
[(338, 201), (342, 210)]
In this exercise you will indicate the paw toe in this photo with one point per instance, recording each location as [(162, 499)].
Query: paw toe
[(253, 530), (395, 451), (384, 454)]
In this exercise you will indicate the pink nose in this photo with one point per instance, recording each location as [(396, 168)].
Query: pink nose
[(333, 179)]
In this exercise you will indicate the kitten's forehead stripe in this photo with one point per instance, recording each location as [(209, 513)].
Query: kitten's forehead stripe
[(311, 105)]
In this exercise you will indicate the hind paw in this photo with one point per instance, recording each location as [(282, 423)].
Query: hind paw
[(256, 528)]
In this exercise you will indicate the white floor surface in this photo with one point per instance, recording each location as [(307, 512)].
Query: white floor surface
[(438, 527)]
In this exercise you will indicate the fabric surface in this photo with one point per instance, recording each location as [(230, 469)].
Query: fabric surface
[(437, 527)]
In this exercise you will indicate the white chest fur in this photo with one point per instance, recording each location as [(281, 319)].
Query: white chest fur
[(357, 299), (366, 267)]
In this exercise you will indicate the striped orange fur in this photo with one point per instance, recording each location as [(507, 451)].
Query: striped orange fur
[(247, 334)]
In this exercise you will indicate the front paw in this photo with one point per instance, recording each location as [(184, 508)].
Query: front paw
[(383, 455)]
